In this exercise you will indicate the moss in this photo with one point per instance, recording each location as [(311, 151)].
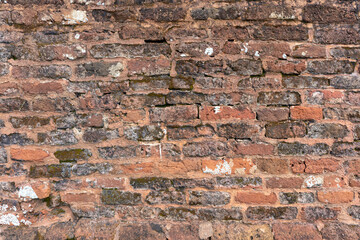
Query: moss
[(57, 211), (72, 155)]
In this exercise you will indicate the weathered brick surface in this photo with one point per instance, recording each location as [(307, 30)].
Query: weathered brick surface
[(179, 119)]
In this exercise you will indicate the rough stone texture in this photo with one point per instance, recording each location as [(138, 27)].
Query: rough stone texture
[(179, 119)]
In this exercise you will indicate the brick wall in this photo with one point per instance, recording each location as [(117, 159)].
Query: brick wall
[(179, 119)]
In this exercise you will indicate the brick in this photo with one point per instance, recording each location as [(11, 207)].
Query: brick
[(188, 132), (28, 154), (255, 198), (30, 122), (247, 148), (296, 197), (178, 97), (266, 11), (314, 166), (238, 182), (97, 135), (115, 152), (343, 34), (197, 50), (42, 88), (272, 166), (70, 155), (115, 197), (57, 138), (285, 67), (163, 14), (354, 211), (312, 214), (327, 130), (48, 71), (282, 182), (121, 16), (283, 231), (138, 32), (13, 104), (3, 155), (223, 13), (272, 114), (244, 67), (304, 82), (280, 32), (99, 69), (237, 130), (283, 130), (151, 66), (78, 198), (306, 113), (193, 67), (279, 98), (270, 213), (297, 148), (208, 113), (145, 133), (230, 32), (330, 67), (345, 82), (335, 197), (174, 114), (345, 149), (62, 52), (317, 13), (259, 82), (308, 51), (166, 197), (203, 149), (231, 166), (130, 51), (340, 231), (208, 198)]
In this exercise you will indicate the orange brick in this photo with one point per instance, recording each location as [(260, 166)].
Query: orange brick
[(78, 197), (335, 197), (28, 154), (306, 113), (256, 198)]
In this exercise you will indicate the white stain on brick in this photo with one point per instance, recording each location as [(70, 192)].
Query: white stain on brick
[(27, 192), (75, 17), (284, 56), (221, 168), (9, 219), (116, 69), (4, 207), (209, 51), (77, 36), (217, 109), (257, 54), (313, 181), (26, 222)]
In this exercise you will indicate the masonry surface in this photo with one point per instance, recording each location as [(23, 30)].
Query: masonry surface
[(179, 119)]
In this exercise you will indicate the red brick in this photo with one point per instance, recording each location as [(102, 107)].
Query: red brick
[(255, 198), (28, 154), (279, 182), (306, 113), (79, 197), (253, 148), (314, 166), (335, 197)]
